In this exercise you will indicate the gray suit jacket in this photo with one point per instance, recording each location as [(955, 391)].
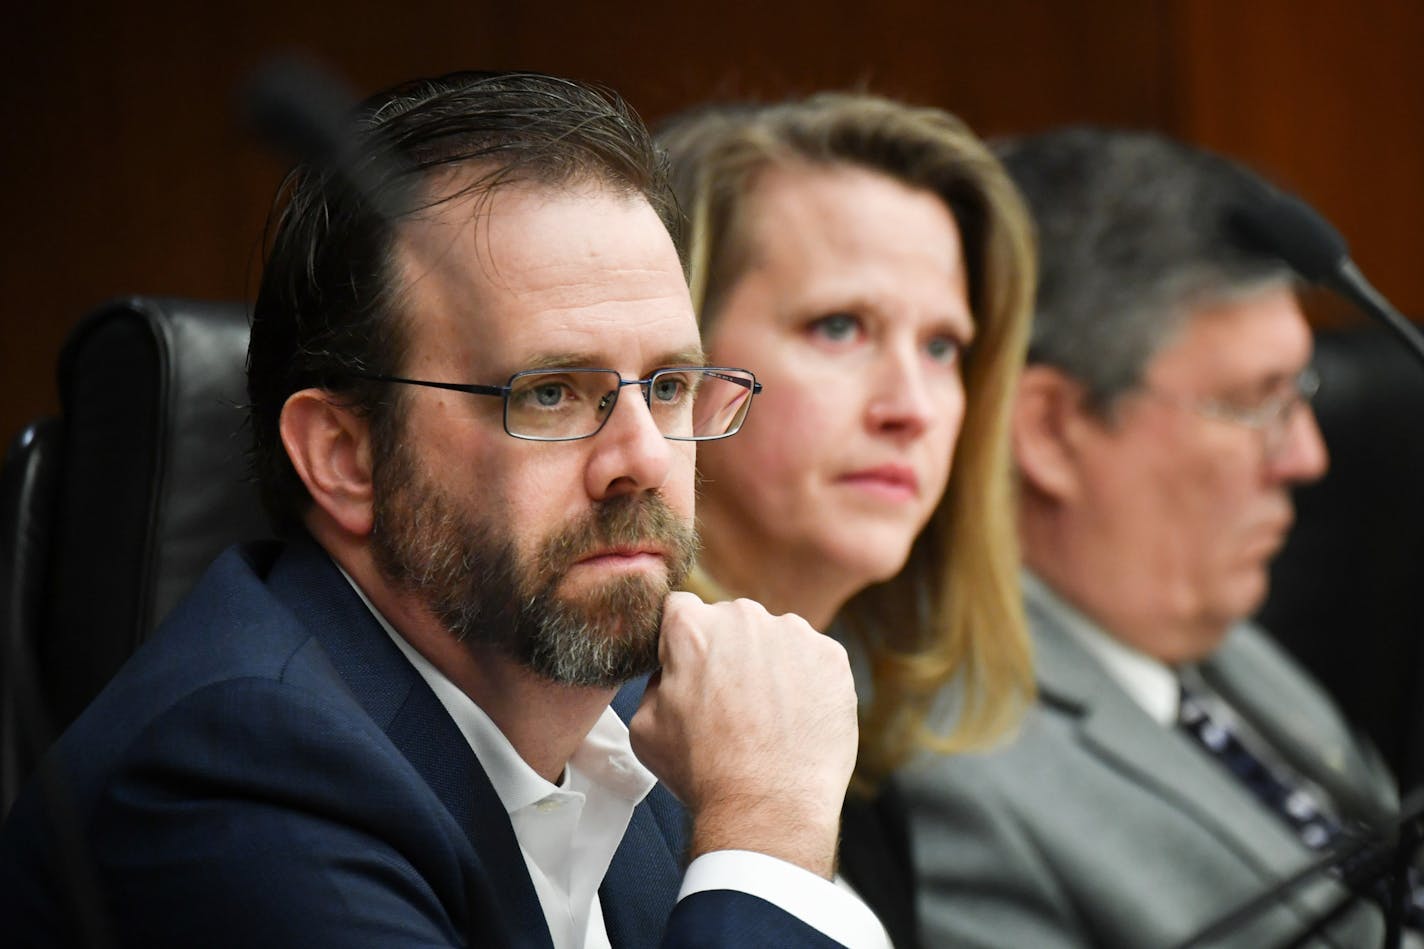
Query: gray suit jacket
[(1098, 827)]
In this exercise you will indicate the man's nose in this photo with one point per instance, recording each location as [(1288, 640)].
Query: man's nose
[(1301, 456), (629, 454)]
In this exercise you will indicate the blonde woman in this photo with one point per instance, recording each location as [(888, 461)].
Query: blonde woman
[(873, 264)]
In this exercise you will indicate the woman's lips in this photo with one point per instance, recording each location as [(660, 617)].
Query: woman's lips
[(889, 482)]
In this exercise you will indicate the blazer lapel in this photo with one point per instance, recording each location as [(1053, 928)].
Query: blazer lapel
[(640, 889), (1162, 761), (1166, 763), (1298, 720), (400, 702)]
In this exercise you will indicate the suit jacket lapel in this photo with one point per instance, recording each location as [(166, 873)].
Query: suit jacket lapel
[(1163, 762), (399, 701), (1299, 722), (640, 889), (1166, 762), (429, 738)]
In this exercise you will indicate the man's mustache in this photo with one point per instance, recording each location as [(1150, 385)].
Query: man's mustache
[(626, 521)]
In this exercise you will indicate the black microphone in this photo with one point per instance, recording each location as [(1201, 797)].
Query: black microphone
[(307, 113), (298, 108), (1360, 860), (1284, 225)]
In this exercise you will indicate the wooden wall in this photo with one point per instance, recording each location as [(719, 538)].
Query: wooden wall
[(125, 170)]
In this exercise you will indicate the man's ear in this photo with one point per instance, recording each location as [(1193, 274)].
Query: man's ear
[(1049, 415), (330, 446)]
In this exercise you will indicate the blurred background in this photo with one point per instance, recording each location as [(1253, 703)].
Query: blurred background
[(127, 171)]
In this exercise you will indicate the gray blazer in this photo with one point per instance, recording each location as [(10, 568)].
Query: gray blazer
[(1097, 827)]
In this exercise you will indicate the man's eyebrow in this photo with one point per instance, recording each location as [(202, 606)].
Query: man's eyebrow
[(562, 361), (684, 357), (568, 360), (1267, 386)]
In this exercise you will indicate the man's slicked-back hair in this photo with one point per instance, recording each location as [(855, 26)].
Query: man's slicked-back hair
[(1133, 236), (327, 307)]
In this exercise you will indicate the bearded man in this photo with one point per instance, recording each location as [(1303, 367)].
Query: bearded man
[(475, 418)]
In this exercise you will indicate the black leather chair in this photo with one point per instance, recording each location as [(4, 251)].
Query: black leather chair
[(1347, 591), (109, 513)]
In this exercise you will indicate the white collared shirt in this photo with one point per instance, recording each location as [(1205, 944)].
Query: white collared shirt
[(1149, 682), (569, 832)]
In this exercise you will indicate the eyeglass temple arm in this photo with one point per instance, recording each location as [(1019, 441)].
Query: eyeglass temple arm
[(472, 389), (744, 383), (451, 386)]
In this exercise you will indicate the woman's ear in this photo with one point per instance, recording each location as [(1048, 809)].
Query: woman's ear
[(1048, 415), (330, 446)]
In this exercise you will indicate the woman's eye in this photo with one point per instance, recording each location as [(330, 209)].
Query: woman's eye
[(837, 328), (943, 349)]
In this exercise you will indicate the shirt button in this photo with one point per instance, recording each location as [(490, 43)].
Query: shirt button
[(549, 804)]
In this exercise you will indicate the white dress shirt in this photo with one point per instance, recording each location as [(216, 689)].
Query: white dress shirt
[(1149, 682), (569, 832)]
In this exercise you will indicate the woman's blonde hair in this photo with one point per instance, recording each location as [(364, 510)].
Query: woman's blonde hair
[(953, 614)]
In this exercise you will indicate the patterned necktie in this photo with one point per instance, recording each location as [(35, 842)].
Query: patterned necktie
[(1296, 805)]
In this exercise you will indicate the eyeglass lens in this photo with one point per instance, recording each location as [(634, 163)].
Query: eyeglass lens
[(1276, 415), (575, 403)]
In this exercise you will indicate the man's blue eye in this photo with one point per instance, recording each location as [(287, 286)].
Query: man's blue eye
[(668, 389), (549, 395)]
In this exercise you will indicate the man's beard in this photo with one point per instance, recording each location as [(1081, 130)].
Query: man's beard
[(469, 574)]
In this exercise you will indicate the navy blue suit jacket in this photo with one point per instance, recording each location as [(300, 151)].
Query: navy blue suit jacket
[(270, 770)]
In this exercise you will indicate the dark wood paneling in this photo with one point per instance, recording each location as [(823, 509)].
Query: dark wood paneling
[(1327, 98), (125, 170)]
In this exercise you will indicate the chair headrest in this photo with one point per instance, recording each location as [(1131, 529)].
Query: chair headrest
[(154, 479)]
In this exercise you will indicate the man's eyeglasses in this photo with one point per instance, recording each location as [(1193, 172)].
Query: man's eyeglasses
[(1269, 416), (688, 403)]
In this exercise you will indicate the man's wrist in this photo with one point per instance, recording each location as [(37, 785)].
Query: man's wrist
[(803, 835)]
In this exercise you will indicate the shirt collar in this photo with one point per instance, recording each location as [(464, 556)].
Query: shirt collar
[(1149, 682), (604, 759)]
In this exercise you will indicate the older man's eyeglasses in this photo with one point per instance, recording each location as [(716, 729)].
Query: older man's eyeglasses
[(687, 403), (1269, 416)]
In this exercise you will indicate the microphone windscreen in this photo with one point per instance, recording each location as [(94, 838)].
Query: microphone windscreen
[(310, 114), (1284, 225), (299, 108)]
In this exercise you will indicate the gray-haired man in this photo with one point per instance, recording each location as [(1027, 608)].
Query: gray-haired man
[(1176, 762)]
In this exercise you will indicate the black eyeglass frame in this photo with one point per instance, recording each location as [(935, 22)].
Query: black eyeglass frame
[(646, 384)]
